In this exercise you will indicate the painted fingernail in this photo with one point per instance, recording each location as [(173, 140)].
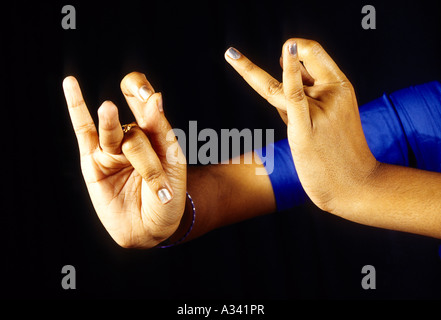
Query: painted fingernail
[(292, 48), (145, 92), (164, 195), (233, 53)]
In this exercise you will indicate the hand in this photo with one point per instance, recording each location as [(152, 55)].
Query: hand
[(327, 142), (138, 195)]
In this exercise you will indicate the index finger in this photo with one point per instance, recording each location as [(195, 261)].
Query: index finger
[(261, 81), (82, 122)]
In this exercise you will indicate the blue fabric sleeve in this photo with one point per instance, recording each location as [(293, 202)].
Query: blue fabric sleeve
[(287, 188), (419, 110), (403, 128)]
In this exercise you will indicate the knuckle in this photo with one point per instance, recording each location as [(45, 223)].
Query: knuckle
[(249, 67), (77, 103), (273, 87), (152, 176), (296, 95), (313, 47), (133, 142), (178, 167), (346, 85), (84, 128), (113, 144), (294, 68)]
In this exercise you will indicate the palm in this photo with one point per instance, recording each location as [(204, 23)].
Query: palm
[(116, 192), (123, 187)]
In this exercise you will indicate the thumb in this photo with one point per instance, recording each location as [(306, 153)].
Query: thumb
[(138, 150), (148, 110)]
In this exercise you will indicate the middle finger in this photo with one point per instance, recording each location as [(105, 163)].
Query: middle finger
[(110, 131)]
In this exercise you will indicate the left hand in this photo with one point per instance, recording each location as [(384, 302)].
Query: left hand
[(128, 175), (325, 135)]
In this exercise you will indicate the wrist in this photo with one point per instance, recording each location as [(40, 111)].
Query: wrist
[(185, 226), (352, 198)]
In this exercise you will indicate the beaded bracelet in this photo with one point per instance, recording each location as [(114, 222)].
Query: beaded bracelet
[(189, 230)]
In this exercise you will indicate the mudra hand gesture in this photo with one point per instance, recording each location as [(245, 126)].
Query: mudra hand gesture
[(138, 195), (138, 180), (333, 161)]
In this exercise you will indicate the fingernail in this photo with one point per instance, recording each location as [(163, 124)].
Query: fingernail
[(292, 48), (144, 92), (164, 195), (233, 53)]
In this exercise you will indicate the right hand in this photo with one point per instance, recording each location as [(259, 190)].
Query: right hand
[(137, 193), (326, 138)]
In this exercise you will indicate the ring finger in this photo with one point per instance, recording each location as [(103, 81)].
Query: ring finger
[(109, 127)]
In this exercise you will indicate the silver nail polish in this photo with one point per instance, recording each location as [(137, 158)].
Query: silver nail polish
[(293, 48), (144, 92), (233, 53), (164, 195)]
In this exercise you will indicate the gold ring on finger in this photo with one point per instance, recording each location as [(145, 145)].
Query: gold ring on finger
[(127, 127)]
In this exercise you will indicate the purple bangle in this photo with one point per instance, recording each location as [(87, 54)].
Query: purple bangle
[(189, 230)]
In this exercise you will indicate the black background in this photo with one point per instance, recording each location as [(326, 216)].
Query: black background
[(47, 218)]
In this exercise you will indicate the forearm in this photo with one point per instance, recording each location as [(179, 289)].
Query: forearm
[(397, 198), (224, 194)]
